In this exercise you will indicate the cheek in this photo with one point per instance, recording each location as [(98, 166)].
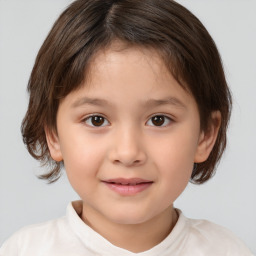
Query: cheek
[(176, 153), (174, 158), (82, 155), (82, 163), (175, 174)]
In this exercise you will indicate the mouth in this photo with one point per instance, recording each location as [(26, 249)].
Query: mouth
[(129, 182), (128, 187)]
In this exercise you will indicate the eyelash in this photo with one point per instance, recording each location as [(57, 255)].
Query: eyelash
[(165, 119), (89, 118)]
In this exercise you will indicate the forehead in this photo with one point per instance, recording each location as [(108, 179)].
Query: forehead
[(139, 74), (120, 56), (128, 64), (154, 59)]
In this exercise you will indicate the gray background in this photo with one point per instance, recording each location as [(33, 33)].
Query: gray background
[(228, 199)]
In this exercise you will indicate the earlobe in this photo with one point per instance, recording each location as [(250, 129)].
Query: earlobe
[(208, 138), (53, 145)]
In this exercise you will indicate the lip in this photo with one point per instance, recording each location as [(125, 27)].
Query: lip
[(128, 187)]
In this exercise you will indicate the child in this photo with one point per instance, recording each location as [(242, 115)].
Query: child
[(131, 98)]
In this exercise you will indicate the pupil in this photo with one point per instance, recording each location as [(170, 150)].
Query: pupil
[(97, 120), (158, 120)]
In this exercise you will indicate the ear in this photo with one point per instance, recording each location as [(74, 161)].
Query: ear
[(53, 144), (208, 138)]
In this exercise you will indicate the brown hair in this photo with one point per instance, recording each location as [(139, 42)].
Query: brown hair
[(87, 26)]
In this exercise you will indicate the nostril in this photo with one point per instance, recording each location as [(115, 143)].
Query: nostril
[(128, 156), (128, 162)]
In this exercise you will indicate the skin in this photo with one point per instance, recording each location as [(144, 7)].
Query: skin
[(135, 86)]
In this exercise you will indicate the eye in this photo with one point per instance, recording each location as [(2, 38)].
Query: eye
[(96, 121), (159, 120)]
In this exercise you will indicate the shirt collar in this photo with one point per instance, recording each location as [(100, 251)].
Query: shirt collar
[(97, 244)]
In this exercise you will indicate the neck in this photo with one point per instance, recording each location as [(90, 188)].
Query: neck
[(133, 237)]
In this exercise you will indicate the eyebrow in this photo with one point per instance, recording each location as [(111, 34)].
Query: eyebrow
[(90, 101), (148, 104), (165, 101)]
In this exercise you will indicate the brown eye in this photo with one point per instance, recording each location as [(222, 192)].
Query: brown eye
[(96, 121), (159, 120)]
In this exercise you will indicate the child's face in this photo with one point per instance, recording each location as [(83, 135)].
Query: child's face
[(145, 130)]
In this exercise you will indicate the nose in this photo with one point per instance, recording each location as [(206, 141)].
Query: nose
[(127, 148)]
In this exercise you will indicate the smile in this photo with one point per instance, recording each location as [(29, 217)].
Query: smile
[(128, 187)]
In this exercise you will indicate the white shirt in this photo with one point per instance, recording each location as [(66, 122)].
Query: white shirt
[(70, 236)]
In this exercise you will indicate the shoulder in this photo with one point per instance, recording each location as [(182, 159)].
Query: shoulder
[(34, 236), (214, 239), (41, 230)]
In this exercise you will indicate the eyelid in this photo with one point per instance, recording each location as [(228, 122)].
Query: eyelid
[(167, 116), (87, 117)]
